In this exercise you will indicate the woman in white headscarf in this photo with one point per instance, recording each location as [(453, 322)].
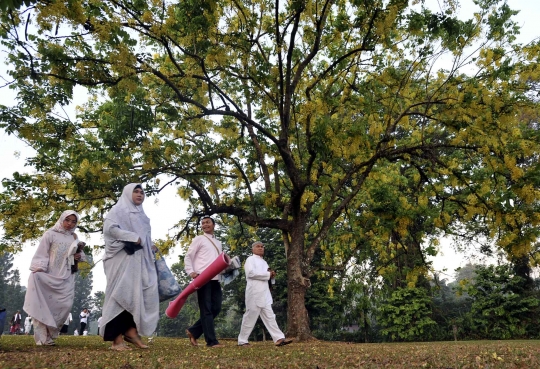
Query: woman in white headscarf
[(51, 285), (131, 306)]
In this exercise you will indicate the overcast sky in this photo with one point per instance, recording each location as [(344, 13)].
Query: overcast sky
[(167, 208)]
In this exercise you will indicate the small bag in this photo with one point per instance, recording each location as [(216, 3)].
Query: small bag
[(75, 266), (168, 287), (231, 272), (235, 264)]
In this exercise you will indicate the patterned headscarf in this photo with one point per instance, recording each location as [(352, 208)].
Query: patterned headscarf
[(58, 226)]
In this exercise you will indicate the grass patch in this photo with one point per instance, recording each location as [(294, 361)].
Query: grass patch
[(20, 352)]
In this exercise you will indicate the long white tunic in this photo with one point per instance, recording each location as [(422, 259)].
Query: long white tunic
[(257, 275), (258, 300), (50, 292)]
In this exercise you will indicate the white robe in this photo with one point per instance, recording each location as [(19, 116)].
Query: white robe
[(27, 325), (51, 285), (258, 300), (131, 279)]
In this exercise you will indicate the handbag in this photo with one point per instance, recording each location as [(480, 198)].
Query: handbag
[(168, 287)]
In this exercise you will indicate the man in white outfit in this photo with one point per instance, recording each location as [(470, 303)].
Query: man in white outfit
[(259, 299)]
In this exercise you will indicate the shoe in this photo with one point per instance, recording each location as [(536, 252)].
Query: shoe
[(283, 342), (218, 345), (192, 338), (244, 344)]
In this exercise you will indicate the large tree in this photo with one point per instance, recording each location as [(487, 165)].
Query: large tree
[(319, 111)]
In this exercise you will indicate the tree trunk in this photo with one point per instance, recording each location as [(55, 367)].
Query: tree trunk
[(297, 284)]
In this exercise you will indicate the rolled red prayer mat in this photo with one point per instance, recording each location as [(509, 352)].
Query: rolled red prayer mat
[(217, 266)]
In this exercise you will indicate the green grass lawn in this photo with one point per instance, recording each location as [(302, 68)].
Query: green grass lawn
[(92, 352)]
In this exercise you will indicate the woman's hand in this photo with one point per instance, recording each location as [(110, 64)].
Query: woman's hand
[(193, 275), (138, 241)]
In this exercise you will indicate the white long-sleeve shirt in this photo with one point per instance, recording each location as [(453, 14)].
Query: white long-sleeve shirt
[(84, 317), (201, 254), (257, 275)]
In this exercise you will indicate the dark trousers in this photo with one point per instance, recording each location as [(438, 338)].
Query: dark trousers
[(83, 326), (120, 324), (209, 297)]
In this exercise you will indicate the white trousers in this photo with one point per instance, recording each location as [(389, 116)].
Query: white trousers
[(43, 334), (250, 318)]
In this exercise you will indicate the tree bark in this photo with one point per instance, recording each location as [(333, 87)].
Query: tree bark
[(297, 284)]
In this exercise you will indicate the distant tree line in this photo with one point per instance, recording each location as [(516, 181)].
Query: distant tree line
[(11, 291), (483, 302)]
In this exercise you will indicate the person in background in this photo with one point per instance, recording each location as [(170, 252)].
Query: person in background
[(131, 304), (99, 324), (27, 325), (84, 319), (65, 327), (51, 285), (259, 299), (16, 322), (204, 249)]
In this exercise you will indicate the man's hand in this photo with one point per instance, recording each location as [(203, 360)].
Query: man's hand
[(272, 274), (77, 256), (193, 275)]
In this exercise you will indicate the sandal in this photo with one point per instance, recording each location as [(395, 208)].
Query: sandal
[(283, 342)]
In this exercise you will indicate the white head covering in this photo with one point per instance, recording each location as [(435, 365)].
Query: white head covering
[(128, 215), (58, 227)]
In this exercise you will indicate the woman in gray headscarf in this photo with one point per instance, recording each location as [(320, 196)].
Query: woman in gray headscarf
[(131, 298), (51, 285)]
